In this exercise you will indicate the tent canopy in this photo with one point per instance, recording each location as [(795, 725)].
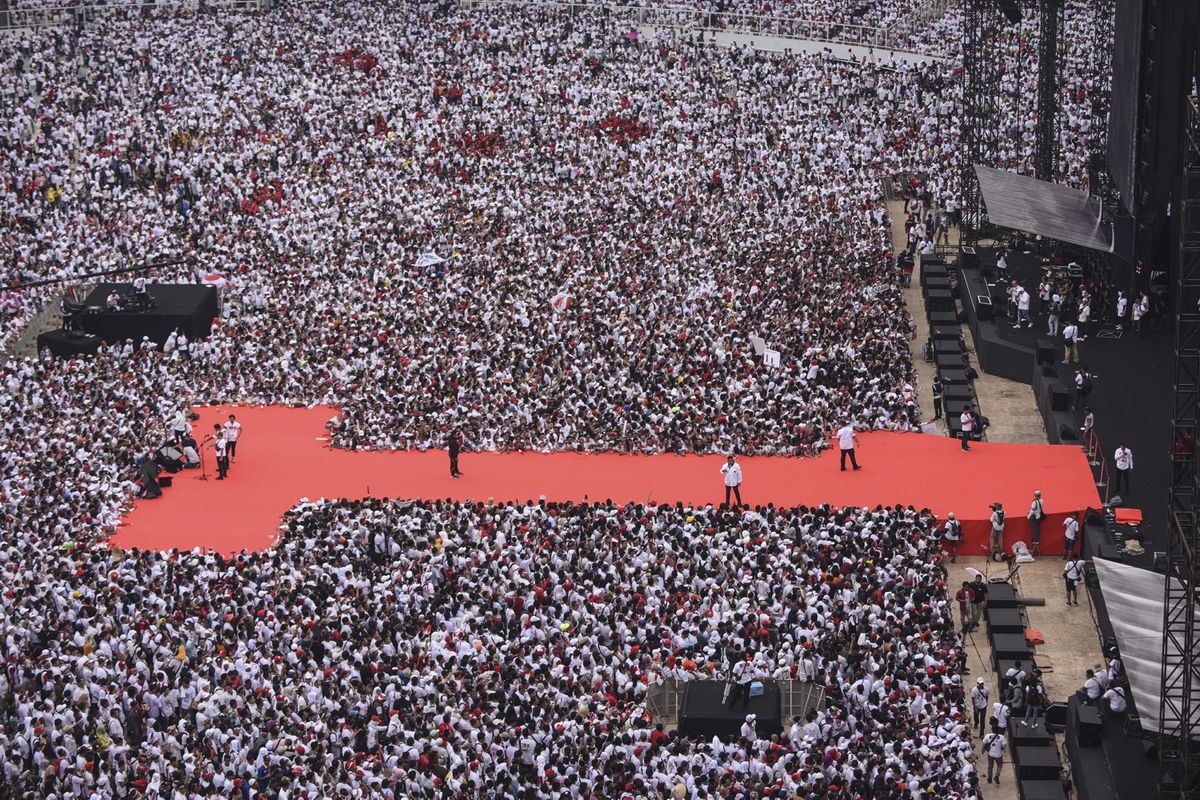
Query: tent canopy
[(1046, 209)]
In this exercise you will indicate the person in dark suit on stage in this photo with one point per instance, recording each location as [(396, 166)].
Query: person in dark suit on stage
[(222, 452), (454, 445)]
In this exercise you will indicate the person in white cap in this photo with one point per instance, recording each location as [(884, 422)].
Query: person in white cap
[(952, 532), (750, 728), (979, 703)]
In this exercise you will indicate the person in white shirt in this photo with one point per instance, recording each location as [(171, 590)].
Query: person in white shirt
[(1070, 343), (1122, 303), (1123, 461), (220, 446), (1070, 533), (967, 420), (979, 703), (1114, 699), (994, 745), (1037, 513), (953, 535), (750, 728), (847, 439), (1000, 714), (996, 543), (733, 479), (1090, 691), (1022, 308), (233, 432), (743, 676), (1139, 311), (1072, 574)]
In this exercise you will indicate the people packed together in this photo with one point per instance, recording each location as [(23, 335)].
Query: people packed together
[(543, 229), (433, 649)]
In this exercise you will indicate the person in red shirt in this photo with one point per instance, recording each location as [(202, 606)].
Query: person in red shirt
[(966, 598)]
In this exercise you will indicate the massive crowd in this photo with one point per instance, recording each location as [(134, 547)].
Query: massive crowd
[(396, 649), (674, 199), (612, 219)]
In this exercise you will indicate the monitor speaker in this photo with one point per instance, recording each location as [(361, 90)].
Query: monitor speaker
[(1067, 434), (1059, 399), (1045, 351), (968, 258), (1088, 727), (984, 307)]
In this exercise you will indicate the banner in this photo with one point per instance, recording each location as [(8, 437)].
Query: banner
[(429, 259), (771, 357)]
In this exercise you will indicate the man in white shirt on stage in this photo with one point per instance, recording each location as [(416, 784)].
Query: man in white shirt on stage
[(733, 479), (847, 440), (233, 432)]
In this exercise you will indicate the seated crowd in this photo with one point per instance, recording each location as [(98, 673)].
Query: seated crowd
[(432, 649)]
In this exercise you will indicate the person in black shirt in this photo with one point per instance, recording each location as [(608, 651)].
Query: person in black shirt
[(454, 445)]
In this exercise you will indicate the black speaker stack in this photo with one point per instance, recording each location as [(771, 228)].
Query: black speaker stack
[(945, 339)]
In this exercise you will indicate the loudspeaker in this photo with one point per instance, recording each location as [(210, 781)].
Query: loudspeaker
[(1056, 715), (983, 306), (968, 258), (1045, 351), (1067, 434), (1011, 10), (1049, 372), (166, 481), (1059, 399), (1087, 725)]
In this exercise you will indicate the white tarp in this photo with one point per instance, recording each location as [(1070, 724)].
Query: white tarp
[(1134, 599)]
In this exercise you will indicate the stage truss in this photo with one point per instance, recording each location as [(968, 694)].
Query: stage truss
[(982, 74), (1179, 750)]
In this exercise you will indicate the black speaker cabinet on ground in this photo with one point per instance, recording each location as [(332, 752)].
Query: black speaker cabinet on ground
[(1037, 763), (1001, 595), (1059, 399), (1045, 351), (1087, 725), (1042, 790)]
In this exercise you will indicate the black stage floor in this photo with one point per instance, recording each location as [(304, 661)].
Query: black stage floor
[(178, 306), (1131, 377)]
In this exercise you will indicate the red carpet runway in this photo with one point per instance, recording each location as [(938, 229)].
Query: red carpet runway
[(282, 457)]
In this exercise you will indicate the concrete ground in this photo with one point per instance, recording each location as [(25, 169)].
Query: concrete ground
[(1071, 634)]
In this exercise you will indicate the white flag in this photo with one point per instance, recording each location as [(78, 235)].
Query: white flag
[(560, 301), (771, 357), (429, 259)]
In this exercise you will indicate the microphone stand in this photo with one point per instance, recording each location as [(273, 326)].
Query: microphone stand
[(203, 476)]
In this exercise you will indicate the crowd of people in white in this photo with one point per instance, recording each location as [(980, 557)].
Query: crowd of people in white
[(602, 222), (396, 649)]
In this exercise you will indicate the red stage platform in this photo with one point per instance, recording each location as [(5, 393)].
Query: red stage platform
[(282, 457)]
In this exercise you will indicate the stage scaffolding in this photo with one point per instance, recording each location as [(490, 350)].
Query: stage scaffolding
[(986, 22), (1179, 710)]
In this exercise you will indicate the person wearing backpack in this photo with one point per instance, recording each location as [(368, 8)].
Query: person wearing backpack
[(994, 745), (1035, 699)]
